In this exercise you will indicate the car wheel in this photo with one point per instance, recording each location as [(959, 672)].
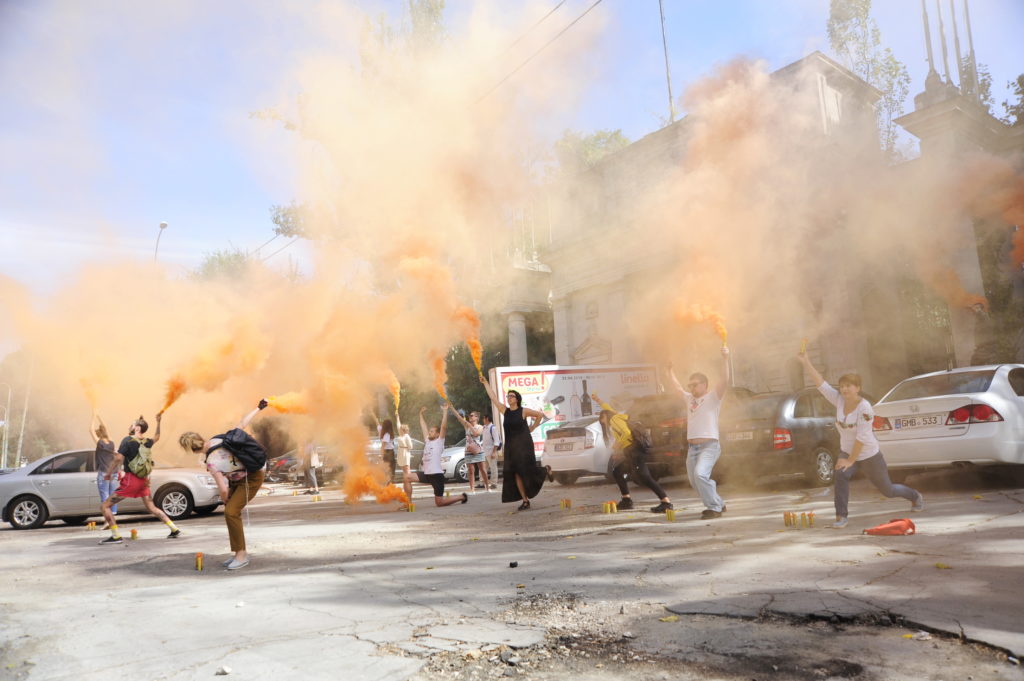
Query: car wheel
[(175, 501), (566, 479), (27, 513), (462, 471), (822, 469), (76, 520), (205, 510)]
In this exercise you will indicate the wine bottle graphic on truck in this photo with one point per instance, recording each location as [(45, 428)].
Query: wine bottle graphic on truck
[(575, 410), (588, 405)]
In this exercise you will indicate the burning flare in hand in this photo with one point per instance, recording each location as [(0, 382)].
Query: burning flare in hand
[(289, 403), (470, 323)]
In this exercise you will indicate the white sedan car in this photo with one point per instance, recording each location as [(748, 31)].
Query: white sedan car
[(577, 448), (64, 486), (972, 415)]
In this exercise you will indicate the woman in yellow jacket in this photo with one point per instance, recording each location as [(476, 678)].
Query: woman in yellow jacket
[(631, 456)]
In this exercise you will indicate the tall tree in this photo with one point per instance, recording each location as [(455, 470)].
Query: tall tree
[(576, 152), (856, 40), (1014, 107)]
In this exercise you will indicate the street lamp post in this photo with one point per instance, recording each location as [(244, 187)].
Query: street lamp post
[(7, 425), (163, 226)]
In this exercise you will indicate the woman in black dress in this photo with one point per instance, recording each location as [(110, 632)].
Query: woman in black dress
[(523, 477)]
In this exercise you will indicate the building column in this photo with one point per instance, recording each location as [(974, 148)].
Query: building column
[(517, 339)]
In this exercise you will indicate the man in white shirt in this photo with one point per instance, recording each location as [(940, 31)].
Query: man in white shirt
[(431, 472), (491, 445), (702, 435)]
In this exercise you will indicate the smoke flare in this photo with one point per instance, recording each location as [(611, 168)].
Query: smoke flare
[(396, 390), (289, 403), (359, 483), (176, 387), (470, 322), (703, 313), (437, 363)]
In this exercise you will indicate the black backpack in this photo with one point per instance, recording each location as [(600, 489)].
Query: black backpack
[(244, 448), (641, 435)]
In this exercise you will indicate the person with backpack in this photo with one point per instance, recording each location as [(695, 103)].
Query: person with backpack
[(238, 464), (134, 453), (630, 448)]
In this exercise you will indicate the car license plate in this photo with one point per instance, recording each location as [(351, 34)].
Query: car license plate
[(563, 447), (742, 435), (923, 421)]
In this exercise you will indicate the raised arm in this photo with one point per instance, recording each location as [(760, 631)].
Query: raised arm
[(463, 421), (423, 423), (490, 393), (156, 433), (606, 406), (243, 424), (92, 428), (675, 381), (725, 374), (812, 372), (444, 420)]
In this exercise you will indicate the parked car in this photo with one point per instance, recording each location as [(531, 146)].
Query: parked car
[(329, 470), (779, 433), (966, 416), (577, 448), (280, 468), (63, 486)]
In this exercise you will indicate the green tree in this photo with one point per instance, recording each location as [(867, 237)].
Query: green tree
[(290, 220), (856, 40), (1014, 107), (576, 152), (228, 263)]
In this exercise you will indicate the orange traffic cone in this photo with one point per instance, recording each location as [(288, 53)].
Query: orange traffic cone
[(896, 526)]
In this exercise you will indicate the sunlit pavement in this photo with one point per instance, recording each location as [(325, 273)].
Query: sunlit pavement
[(372, 591)]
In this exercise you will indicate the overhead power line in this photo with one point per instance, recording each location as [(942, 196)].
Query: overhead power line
[(541, 49), (531, 29)]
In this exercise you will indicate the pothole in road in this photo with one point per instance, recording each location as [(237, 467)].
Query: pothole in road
[(610, 641)]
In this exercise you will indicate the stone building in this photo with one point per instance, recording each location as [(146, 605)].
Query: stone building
[(590, 290)]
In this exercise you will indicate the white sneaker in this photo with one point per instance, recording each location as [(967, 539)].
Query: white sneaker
[(918, 504), (840, 523), (489, 490)]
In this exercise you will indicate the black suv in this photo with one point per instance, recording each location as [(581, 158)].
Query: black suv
[(778, 434)]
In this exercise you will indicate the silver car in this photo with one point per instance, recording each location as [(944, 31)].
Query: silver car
[(64, 486)]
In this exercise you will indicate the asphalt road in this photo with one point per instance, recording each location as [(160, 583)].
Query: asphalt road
[(363, 592)]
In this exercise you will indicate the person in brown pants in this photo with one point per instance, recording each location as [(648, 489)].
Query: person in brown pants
[(237, 485)]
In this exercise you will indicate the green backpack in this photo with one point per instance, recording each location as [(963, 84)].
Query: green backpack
[(142, 465)]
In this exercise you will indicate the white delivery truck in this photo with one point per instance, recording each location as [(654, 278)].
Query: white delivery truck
[(563, 393)]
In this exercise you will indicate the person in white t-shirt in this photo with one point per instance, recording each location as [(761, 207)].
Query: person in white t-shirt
[(431, 472), (857, 443), (702, 408)]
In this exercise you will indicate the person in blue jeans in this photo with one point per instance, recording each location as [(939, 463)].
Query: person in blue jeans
[(104, 457), (702, 435), (857, 443)]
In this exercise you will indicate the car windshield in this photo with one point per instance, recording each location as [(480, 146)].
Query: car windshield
[(957, 383)]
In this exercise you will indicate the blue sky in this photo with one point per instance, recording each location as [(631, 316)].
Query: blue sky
[(121, 115)]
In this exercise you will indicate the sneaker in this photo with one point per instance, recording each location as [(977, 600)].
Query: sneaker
[(490, 489), (113, 540), (662, 507), (840, 523), (229, 561), (918, 503), (625, 504), (708, 514), (493, 486), (235, 565), (174, 534)]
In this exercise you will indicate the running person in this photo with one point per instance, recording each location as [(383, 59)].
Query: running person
[(132, 486), (857, 444), (237, 486), (702, 434), (431, 472), (632, 455), (523, 477), (474, 449)]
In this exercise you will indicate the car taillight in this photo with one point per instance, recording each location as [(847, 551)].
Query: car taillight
[(588, 441), (961, 415), (982, 413), (881, 423), (782, 438)]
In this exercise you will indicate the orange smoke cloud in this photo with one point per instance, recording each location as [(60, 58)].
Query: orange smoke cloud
[(176, 387), (90, 392), (703, 313), (396, 389), (437, 364), (947, 284), (470, 323), (359, 483), (289, 403)]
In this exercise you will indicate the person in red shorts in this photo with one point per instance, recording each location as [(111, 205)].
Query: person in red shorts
[(132, 486)]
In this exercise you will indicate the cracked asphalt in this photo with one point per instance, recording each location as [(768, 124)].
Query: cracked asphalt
[(364, 592)]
